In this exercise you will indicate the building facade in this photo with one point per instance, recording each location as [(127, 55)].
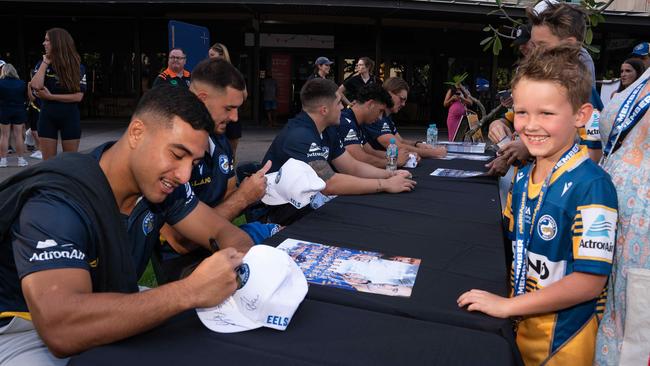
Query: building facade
[(124, 44)]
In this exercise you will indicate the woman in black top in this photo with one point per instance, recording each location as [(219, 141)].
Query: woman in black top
[(13, 92), (60, 82), (364, 76)]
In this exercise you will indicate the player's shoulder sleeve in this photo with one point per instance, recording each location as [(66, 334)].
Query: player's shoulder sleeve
[(179, 204), (301, 144), (347, 132), (51, 232), (594, 224)]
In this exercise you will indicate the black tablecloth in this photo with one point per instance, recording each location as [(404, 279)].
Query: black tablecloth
[(453, 225), (319, 334)]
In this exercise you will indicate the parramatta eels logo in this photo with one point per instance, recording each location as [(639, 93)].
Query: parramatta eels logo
[(546, 227), (243, 272), (600, 227), (147, 223), (224, 164)]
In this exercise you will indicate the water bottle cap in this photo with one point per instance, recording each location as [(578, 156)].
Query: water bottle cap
[(392, 141)]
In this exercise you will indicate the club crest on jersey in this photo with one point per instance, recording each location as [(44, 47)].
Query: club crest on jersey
[(243, 272), (224, 164), (547, 227), (147, 223)]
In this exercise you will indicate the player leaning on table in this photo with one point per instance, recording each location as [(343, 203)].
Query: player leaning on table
[(77, 232)]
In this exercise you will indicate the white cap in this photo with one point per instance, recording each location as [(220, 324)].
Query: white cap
[(295, 183), (2, 63), (541, 6), (272, 286)]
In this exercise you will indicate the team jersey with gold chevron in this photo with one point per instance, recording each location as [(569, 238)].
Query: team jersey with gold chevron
[(575, 231)]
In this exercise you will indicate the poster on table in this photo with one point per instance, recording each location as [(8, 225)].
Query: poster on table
[(353, 269)]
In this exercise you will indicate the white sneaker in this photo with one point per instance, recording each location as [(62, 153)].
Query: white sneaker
[(3, 162), (37, 155), (22, 161)]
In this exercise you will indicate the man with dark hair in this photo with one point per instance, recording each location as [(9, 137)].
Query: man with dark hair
[(77, 231), (372, 101), (311, 137), (221, 87), (175, 73)]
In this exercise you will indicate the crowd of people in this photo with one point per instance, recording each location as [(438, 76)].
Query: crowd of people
[(79, 229)]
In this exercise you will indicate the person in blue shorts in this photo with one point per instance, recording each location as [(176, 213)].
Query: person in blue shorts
[(60, 83), (561, 216), (13, 115), (77, 231)]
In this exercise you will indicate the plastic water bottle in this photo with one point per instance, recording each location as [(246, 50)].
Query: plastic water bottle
[(391, 156), (432, 135)]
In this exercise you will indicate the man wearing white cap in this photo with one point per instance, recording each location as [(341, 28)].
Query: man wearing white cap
[(312, 137)]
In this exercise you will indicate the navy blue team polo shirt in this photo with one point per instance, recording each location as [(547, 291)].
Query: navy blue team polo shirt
[(53, 232), (383, 126), (210, 177), (299, 139), (349, 131)]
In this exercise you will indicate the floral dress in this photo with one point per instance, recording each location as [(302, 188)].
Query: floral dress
[(629, 168)]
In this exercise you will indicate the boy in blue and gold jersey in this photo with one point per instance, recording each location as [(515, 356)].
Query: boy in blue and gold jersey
[(560, 215)]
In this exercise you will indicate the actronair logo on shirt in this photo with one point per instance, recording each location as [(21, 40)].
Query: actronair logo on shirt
[(55, 254), (315, 150), (351, 136), (46, 244), (385, 127), (599, 233), (314, 147)]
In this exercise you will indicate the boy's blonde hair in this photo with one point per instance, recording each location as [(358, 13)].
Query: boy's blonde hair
[(560, 65)]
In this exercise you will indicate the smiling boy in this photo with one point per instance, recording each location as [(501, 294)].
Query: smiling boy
[(560, 215)]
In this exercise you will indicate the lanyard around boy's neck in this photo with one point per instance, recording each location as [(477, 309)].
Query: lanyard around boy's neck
[(626, 119), (524, 233)]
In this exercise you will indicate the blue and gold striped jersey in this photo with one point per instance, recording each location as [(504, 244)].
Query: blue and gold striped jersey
[(575, 232)]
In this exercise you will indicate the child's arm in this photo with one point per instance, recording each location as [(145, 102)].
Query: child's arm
[(573, 289)]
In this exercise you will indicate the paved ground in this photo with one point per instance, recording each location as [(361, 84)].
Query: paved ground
[(252, 146)]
